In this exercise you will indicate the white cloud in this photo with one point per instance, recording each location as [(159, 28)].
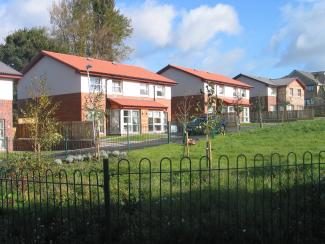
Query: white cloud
[(302, 38), (152, 22), (198, 26), (156, 23), (16, 14)]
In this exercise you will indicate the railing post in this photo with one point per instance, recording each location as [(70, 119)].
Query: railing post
[(107, 201), (168, 132), (128, 136)]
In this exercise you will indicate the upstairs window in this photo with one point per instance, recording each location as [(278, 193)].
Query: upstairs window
[(291, 92), (144, 89), (299, 92), (273, 91), (310, 88), (95, 84), (117, 86), (221, 90), (160, 91)]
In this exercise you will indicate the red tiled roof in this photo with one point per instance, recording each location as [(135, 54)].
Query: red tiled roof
[(134, 103), (232, 101), (208, 76), (103, 68)]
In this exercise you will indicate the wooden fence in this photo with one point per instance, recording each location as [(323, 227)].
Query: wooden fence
[(75, 130), (279, 116)]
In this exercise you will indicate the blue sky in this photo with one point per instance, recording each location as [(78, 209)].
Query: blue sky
[(261, 37)]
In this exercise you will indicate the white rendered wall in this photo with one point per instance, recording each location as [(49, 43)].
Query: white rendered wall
[(6, 89), (228, 90), (60, 78)]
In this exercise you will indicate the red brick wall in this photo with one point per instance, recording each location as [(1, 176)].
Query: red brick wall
[(6, 114), (69, 108), (177, 102)]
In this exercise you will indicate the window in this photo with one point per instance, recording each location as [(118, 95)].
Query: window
[(310, 88), (272, 108), (309, 102), (235, 93), (115, 121), (2, 135), (299, 92), (231, 109), (95, 84), (273, 91), (245, 117), (100, 120), (131, 118), (157, 121), (117, 86), (291, 92), (221, 90), (144, 89), (289, 107), (160, 91), (243, 92)]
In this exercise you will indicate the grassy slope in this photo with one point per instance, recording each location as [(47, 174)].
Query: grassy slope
[(297, 137)]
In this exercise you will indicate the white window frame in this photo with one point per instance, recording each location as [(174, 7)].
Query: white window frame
[(153, 124), (117, 89), (95, 84), (272, 108), (160, 89), (2, 135), (130, 121), (273, 91), (231, 109), (245, 116), (221, 90), (144, 87)]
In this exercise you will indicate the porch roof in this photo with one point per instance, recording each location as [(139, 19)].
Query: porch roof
[(134, 103)]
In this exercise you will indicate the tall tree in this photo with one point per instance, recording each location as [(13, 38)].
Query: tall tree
[(22, 45), (93, 28)]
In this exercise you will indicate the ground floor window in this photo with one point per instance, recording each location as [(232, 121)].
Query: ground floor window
[(245, 117), (272, 108), (131, 121), (114, 121), (289, 107), (157, 121), (231, 109), (100, 122), (2, 135)]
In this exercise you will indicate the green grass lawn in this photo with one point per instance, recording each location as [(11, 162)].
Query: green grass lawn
[(265, 202)]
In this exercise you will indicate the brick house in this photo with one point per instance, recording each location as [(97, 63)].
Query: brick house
[(278, 94), (191, 82), (133, 96), (8, 77), (314, 82)]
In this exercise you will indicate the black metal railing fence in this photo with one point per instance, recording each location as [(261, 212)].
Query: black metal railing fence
[(269, 199)]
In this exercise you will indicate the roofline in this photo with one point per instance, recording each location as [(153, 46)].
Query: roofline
[(15, 77), (42, 54), (172, 66), (267, 84), (301, 72)]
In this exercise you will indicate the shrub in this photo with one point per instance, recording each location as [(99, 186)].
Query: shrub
[(57, 161), (69, 159), (116, 153), (79, 158)]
